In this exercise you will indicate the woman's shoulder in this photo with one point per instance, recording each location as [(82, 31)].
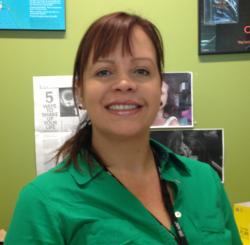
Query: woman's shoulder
[(195, 165), (200, 172), (62, 180), (53, 175), (49, 183)]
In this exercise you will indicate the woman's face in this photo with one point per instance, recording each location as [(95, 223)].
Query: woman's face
[(120, 92)]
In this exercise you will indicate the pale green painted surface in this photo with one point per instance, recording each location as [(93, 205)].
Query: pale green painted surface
[(221, 87)]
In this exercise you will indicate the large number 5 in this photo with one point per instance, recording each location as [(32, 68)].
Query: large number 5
[(49, 97)]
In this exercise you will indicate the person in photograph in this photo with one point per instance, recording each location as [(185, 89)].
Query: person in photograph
[(115, 184), (164, 117)]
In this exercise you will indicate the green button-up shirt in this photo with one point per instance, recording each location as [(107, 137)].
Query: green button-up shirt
[(92, 207)]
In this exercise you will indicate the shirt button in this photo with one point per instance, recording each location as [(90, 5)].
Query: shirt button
[(177, 214)]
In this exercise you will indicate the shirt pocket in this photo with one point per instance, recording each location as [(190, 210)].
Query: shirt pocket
[(212, 229), (212, 221), (112, 232)]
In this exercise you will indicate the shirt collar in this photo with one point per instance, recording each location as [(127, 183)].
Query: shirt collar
[(171, 166), (87, 172)]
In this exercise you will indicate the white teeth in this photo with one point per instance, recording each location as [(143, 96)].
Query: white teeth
[(122, 107)]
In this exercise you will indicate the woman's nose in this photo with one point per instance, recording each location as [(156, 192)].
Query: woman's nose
[(125, 84)]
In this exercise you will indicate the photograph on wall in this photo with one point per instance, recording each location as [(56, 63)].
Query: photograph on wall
[(176, 108), (32, 14), (205, 145), (224, 26), (56, 117), (67, 103)]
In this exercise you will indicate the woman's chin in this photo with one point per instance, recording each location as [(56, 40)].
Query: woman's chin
[(125, 131)]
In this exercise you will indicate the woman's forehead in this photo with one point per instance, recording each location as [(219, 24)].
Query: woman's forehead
[(136, 40)]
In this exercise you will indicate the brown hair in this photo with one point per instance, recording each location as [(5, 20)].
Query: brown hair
[(101, 39)]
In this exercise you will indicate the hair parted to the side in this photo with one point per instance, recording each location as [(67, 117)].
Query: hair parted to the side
[(100, 40)]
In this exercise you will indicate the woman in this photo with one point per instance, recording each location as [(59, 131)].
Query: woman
[(115, 186)]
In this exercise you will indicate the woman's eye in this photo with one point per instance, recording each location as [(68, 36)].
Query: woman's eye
[(103, 73), (142, 72)]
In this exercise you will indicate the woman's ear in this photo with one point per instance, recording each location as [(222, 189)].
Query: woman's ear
[(79, 96)]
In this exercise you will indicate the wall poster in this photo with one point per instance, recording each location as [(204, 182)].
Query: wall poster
[(176, 108), (205, 145), (56, 117), (224, 26), (32, 14)]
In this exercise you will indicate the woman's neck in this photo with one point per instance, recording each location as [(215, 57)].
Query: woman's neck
[(132, 154)]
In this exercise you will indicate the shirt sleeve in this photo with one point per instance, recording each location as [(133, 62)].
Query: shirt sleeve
[(228, 213), (35, 220)]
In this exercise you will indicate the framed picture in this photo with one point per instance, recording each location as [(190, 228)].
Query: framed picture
[(176, 108), (224, 26), (32, 15), (205, 145)]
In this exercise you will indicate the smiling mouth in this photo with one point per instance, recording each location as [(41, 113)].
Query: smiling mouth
[(124, 109)]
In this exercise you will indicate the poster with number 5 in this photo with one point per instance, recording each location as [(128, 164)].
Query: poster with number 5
[(56, 117)]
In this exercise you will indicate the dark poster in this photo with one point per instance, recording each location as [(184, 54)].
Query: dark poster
[(224, 26), (205, 145)]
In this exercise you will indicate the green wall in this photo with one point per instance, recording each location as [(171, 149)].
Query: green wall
[(221, 87)]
